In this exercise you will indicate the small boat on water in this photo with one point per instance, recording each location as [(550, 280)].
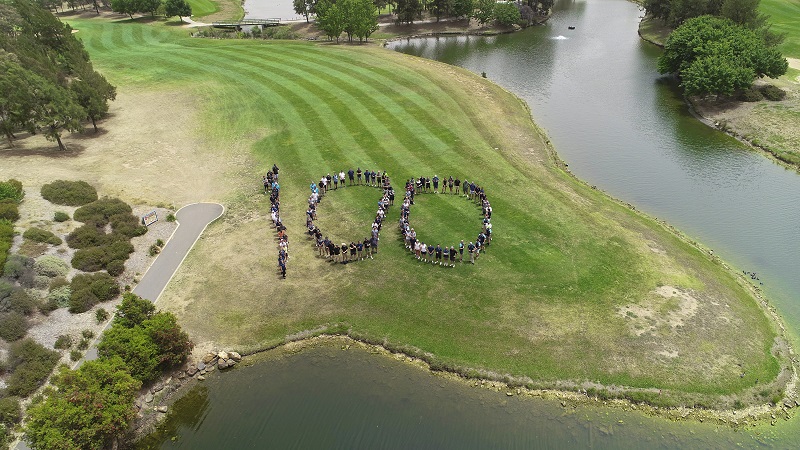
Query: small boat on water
[(571, 27)]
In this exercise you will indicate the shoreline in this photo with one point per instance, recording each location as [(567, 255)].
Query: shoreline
[(719, 124)]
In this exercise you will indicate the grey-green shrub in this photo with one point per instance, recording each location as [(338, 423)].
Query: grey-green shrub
[(51, 266), (60, 296), (13, 326), (69, 193), (40, 235), (60, 216)]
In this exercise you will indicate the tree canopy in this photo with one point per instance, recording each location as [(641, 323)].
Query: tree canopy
[(714, 55), (47, 81), (357, 18)]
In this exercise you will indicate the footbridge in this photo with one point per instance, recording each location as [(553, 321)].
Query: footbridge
[(238, 24)]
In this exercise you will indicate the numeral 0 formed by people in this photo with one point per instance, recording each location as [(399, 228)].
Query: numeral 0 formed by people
[(368, 247)]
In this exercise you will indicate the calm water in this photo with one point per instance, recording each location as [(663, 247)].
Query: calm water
[(620, 127), (268, 9)]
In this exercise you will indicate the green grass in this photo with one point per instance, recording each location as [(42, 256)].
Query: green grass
[(785, 18), (541, 303), (202, 8)]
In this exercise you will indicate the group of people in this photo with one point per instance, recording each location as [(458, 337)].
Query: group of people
[(438, 254), (272, 187), (355, 250)]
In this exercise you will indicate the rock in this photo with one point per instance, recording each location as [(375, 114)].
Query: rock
[(231, 363), (200, 378), (168, 381), (788, 403), (208, 358), (161, 409), (210, 368), (563, 403), (182, 375), (510, 394), (191, 370), (222, 355), (222, 364), (148, 398), (203, 372), (158, 387), (235, 356), (201, 366)]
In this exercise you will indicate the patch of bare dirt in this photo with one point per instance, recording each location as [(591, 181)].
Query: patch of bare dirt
[(669, 307)]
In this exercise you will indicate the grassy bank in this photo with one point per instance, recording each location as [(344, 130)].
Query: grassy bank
[(784, 18), (575, 290)]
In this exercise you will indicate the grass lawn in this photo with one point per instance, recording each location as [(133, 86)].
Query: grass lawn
[(785, 18), (575, 288), (202, 8)]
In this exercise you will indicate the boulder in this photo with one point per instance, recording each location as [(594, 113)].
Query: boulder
[(148, 398), (161, 409), (235, 356), (156, 388), (222, 355), (191, 370), (208, 358), (182, 375), (222, 364), (200, 378), (231, 363), (201, 366)]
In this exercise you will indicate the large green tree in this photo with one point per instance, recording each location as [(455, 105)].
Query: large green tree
[(507, 13), (330, 19), (408, 11), (440, 8), (304, 7), (93, 91), (713, 55), (484, 11), (177, 8), (462, 8), (88, 408)]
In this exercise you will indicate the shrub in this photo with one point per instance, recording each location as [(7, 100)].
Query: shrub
[(87, 334), (11, 190), (58, 282), (16, 266), (59, 296), (10, 411), (135, 347), (101, 315), (51, 266), (9, 211), (751, 95), (97, 258), (60, 216), (154, 250), (83, 344), (87, 236), (13, 326), (133, 310), (40, 282), (115, 268), (69, 193), (63, 342), (30, 364), (171, 217), (88, 290), (21, 302), (100, 211), (773, 93), (75, 355), (173, 343), (6, 236), (40, 235), (160, 242), (6, 289), (127, 225)]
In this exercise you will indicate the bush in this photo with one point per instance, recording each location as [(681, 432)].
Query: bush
[(69, 193), (160, 242), (87, 334), (51, 266), (59, 296), (100, 211), (11, 190), (21, 302), (60, 216), (97, 258), (135, 347), (58, 282), (83, 344), (30, 364), (773, 93), (40, 235), (75, 355), (507, 14), (13, 326), (17, 265), (751, 95), (6, 236), (154, 250), (171, 217), (101, 315), (127, 225), (115, 268), (133, 310), (6, 289), (87, 236), (10, 411), (88, 290), (9, 211), (63, 342)]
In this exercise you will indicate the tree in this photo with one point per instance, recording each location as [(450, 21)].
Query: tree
[(57, 110), (93, 91), (91, 407), (462, 8), (507, 14), (484, 11), (177, 8), (440, 8), (133, 310), (713, 55), (658, 9), (134, 346), (17, 88), (173, 343), (128, 7), (408, 10), (330, 19), (145, 6), (362, 18), (304, 7)]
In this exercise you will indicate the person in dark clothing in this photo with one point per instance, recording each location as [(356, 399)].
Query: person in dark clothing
[(457, 183), (438, 253), (435, 184), (350, 174)]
